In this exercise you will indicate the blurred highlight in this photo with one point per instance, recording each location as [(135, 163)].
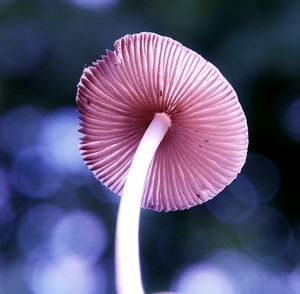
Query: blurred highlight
[(57, 222)]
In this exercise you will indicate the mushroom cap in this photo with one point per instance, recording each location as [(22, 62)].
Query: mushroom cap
[(118, 96)]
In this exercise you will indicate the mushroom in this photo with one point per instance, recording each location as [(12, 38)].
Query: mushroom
[(163, 129)]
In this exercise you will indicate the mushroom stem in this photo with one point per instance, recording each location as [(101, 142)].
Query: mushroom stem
[(128, 273)]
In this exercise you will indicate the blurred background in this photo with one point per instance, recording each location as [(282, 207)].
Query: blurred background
[(57, 222)]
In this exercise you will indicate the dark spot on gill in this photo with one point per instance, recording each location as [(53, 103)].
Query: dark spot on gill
[(206, 141), (198, 195), (88, 102), (160, 93), (200, 146), (196, 131)]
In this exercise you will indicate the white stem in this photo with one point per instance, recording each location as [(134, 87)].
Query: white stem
[(128, 273)]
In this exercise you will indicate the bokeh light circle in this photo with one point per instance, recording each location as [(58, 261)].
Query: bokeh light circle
[(79, 233), (67, 275), (292, 120), (226, 207), (35, 226), (19, 128), (93, 4), (60, 137), (267, 233), (204, 278), (264, 176), (32, 175)]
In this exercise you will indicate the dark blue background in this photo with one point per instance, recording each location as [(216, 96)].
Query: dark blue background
[(57, 222)]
